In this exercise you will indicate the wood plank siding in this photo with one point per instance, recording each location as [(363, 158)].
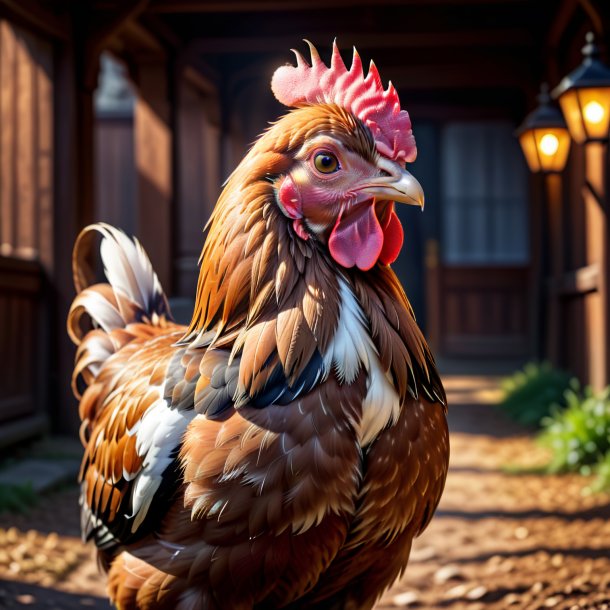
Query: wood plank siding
[(115, 184), (483, 311), (26, 226), (26, 151), (20, 293)]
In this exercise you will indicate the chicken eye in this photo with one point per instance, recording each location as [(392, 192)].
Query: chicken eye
[(326, 163)]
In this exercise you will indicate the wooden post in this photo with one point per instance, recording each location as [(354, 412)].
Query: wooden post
[(434, 328), (554, 330), (153, 154), (73, 209), (596, 225), (538, 285)]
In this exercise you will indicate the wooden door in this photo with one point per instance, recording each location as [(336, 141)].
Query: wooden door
[(478, 264)]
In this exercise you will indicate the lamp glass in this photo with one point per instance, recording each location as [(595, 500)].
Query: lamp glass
[(553, 145), (546, 149), (587, 112), (571, 112), (528, 144), (595, 106)]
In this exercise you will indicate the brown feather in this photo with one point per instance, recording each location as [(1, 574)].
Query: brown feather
[(279, 505)]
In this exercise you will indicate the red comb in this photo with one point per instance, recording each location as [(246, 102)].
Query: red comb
[(364, 96)]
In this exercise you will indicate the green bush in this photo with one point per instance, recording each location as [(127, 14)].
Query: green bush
[(530, 394), (579, 435), (602, 480)]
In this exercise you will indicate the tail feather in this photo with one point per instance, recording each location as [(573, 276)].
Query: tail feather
[(130, 272), (132, 294)]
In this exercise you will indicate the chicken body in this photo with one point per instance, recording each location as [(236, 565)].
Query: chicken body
[(284, 449)]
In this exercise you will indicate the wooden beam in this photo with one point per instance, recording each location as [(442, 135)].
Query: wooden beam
[(227, 6), (461, 76), (578, 282), (104, 28), (437, 109), (32, 14), (140, 42), (95, 29), (560, 22), (501, 37), (594, 12), (164, 32)]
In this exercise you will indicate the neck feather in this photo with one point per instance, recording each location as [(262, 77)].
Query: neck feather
[(271, 296)]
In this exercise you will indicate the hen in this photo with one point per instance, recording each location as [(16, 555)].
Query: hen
[(284, 449)]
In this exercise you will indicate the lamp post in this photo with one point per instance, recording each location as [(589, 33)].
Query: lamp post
[(545, 142), (584, 97)]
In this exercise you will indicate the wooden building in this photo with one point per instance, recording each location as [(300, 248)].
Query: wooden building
[(134, 112)]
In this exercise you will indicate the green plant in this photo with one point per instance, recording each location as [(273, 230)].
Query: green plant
[(530, 394), (602, 480), (579, 435), (17, 498)]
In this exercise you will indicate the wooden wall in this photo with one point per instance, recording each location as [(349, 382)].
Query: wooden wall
[(26, 228), (484, 311), (23, 340), (115, 183), (26, 145), (199, 180)]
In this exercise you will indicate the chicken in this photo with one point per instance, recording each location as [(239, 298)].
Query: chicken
[(283, 450)]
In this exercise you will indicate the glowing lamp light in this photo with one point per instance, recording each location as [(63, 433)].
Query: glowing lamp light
[(549, 144), (594, 112), (584, 97), (544, 138)]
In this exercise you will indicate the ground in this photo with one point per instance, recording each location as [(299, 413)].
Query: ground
[(499, 540)]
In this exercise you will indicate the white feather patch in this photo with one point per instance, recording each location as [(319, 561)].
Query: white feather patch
[(351, 348), (100, 309), (158, 434), (127, 267)]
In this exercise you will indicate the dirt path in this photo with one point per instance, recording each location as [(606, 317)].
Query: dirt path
[(498, 541), (502, 541)]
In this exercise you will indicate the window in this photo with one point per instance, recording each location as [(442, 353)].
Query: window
[(484, 195)]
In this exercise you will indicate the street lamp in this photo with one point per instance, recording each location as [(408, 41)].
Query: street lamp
[(584, 97), (544, 137)]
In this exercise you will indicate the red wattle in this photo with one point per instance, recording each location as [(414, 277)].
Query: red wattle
[(393, 237), (357, 239)]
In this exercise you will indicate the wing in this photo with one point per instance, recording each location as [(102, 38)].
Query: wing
[(269, 494), (139, 406), (135, 414)]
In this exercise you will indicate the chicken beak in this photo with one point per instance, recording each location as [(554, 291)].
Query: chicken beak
[(396, 185)]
